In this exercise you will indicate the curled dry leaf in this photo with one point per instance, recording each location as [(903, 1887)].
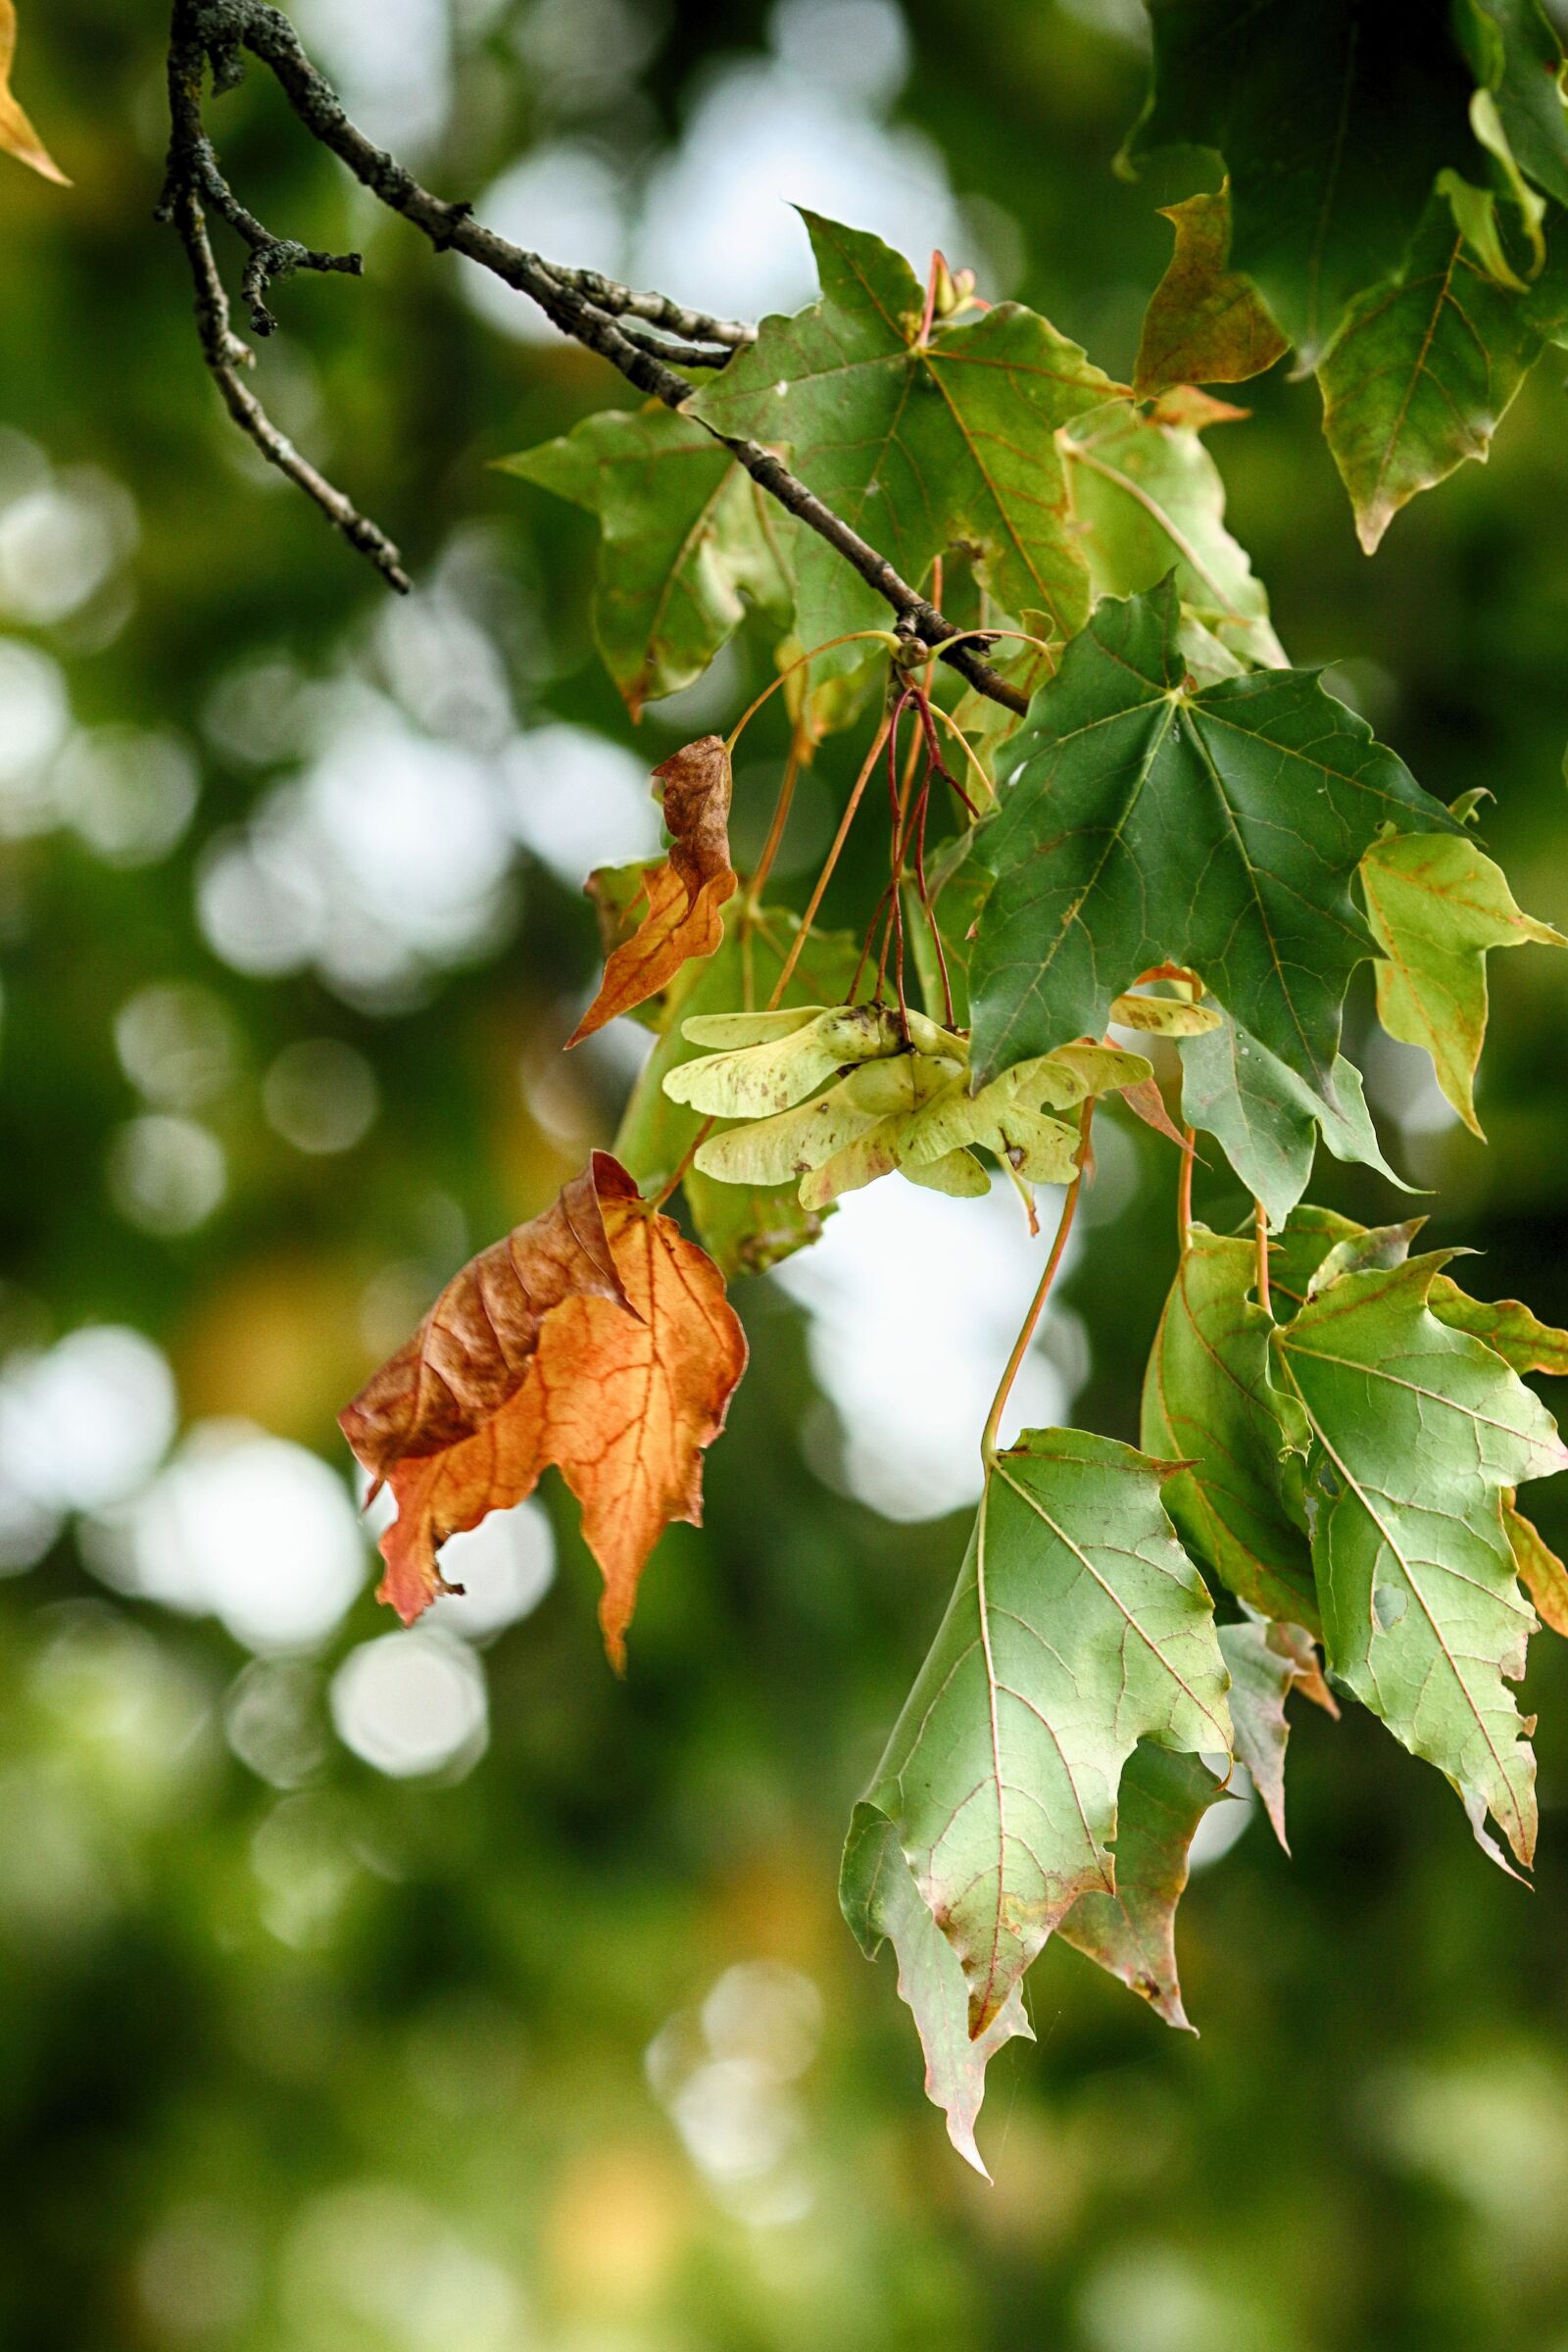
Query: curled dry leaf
[(473, 1349), (598, 1339), (684, 893), (17, 134)]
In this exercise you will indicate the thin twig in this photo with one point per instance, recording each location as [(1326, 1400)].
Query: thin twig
[(659, 311), (683, 1165), (225, 354), (584, 307)]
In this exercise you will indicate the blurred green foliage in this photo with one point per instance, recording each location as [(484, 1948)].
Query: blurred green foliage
[(298, 2054)]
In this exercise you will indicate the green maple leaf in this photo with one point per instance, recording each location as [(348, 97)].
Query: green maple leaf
[(1267, 1121), (687, 542), (1436, 908), (1425, 368), (1149, 823), (1334, 120), (1296, 1252), (1318, 1244), (1147, 496), (1206, 323), (918, 445), (1078, 1626), (1266, 1663), (1417, 1433), (744, 1228), (1210, 1403), (879, 1898), (1131, 1934)]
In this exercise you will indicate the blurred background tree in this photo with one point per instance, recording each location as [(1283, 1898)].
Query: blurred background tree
[(377, 1990)]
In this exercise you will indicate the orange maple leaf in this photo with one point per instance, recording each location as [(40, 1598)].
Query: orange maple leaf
[(17, 134), (626, 1379), (684, 893)]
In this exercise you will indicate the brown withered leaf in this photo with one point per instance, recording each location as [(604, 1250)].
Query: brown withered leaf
[(626, 1380), (615, 892), (17, 134), (684, 893), (1206, 323), (472, 1352)]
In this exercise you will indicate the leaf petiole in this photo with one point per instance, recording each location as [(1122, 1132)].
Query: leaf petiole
[(1069, 1207), (826, 875), (801, 661)]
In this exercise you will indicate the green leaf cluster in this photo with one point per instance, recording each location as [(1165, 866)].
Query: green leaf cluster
[(1158, 891)]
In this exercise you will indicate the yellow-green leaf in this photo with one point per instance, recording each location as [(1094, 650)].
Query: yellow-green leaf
[(1436, 903)]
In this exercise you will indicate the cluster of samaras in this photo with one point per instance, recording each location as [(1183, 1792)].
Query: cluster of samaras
[(841, 1095)]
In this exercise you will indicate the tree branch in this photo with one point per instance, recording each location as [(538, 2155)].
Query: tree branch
[(583, 305)]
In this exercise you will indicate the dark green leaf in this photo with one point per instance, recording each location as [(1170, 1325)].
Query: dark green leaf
[(1333, 119), (1267, 1121), (1425, 368), (1149, 824), (1515, 53)]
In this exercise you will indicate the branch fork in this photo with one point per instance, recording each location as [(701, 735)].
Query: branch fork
[(647, 337)]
